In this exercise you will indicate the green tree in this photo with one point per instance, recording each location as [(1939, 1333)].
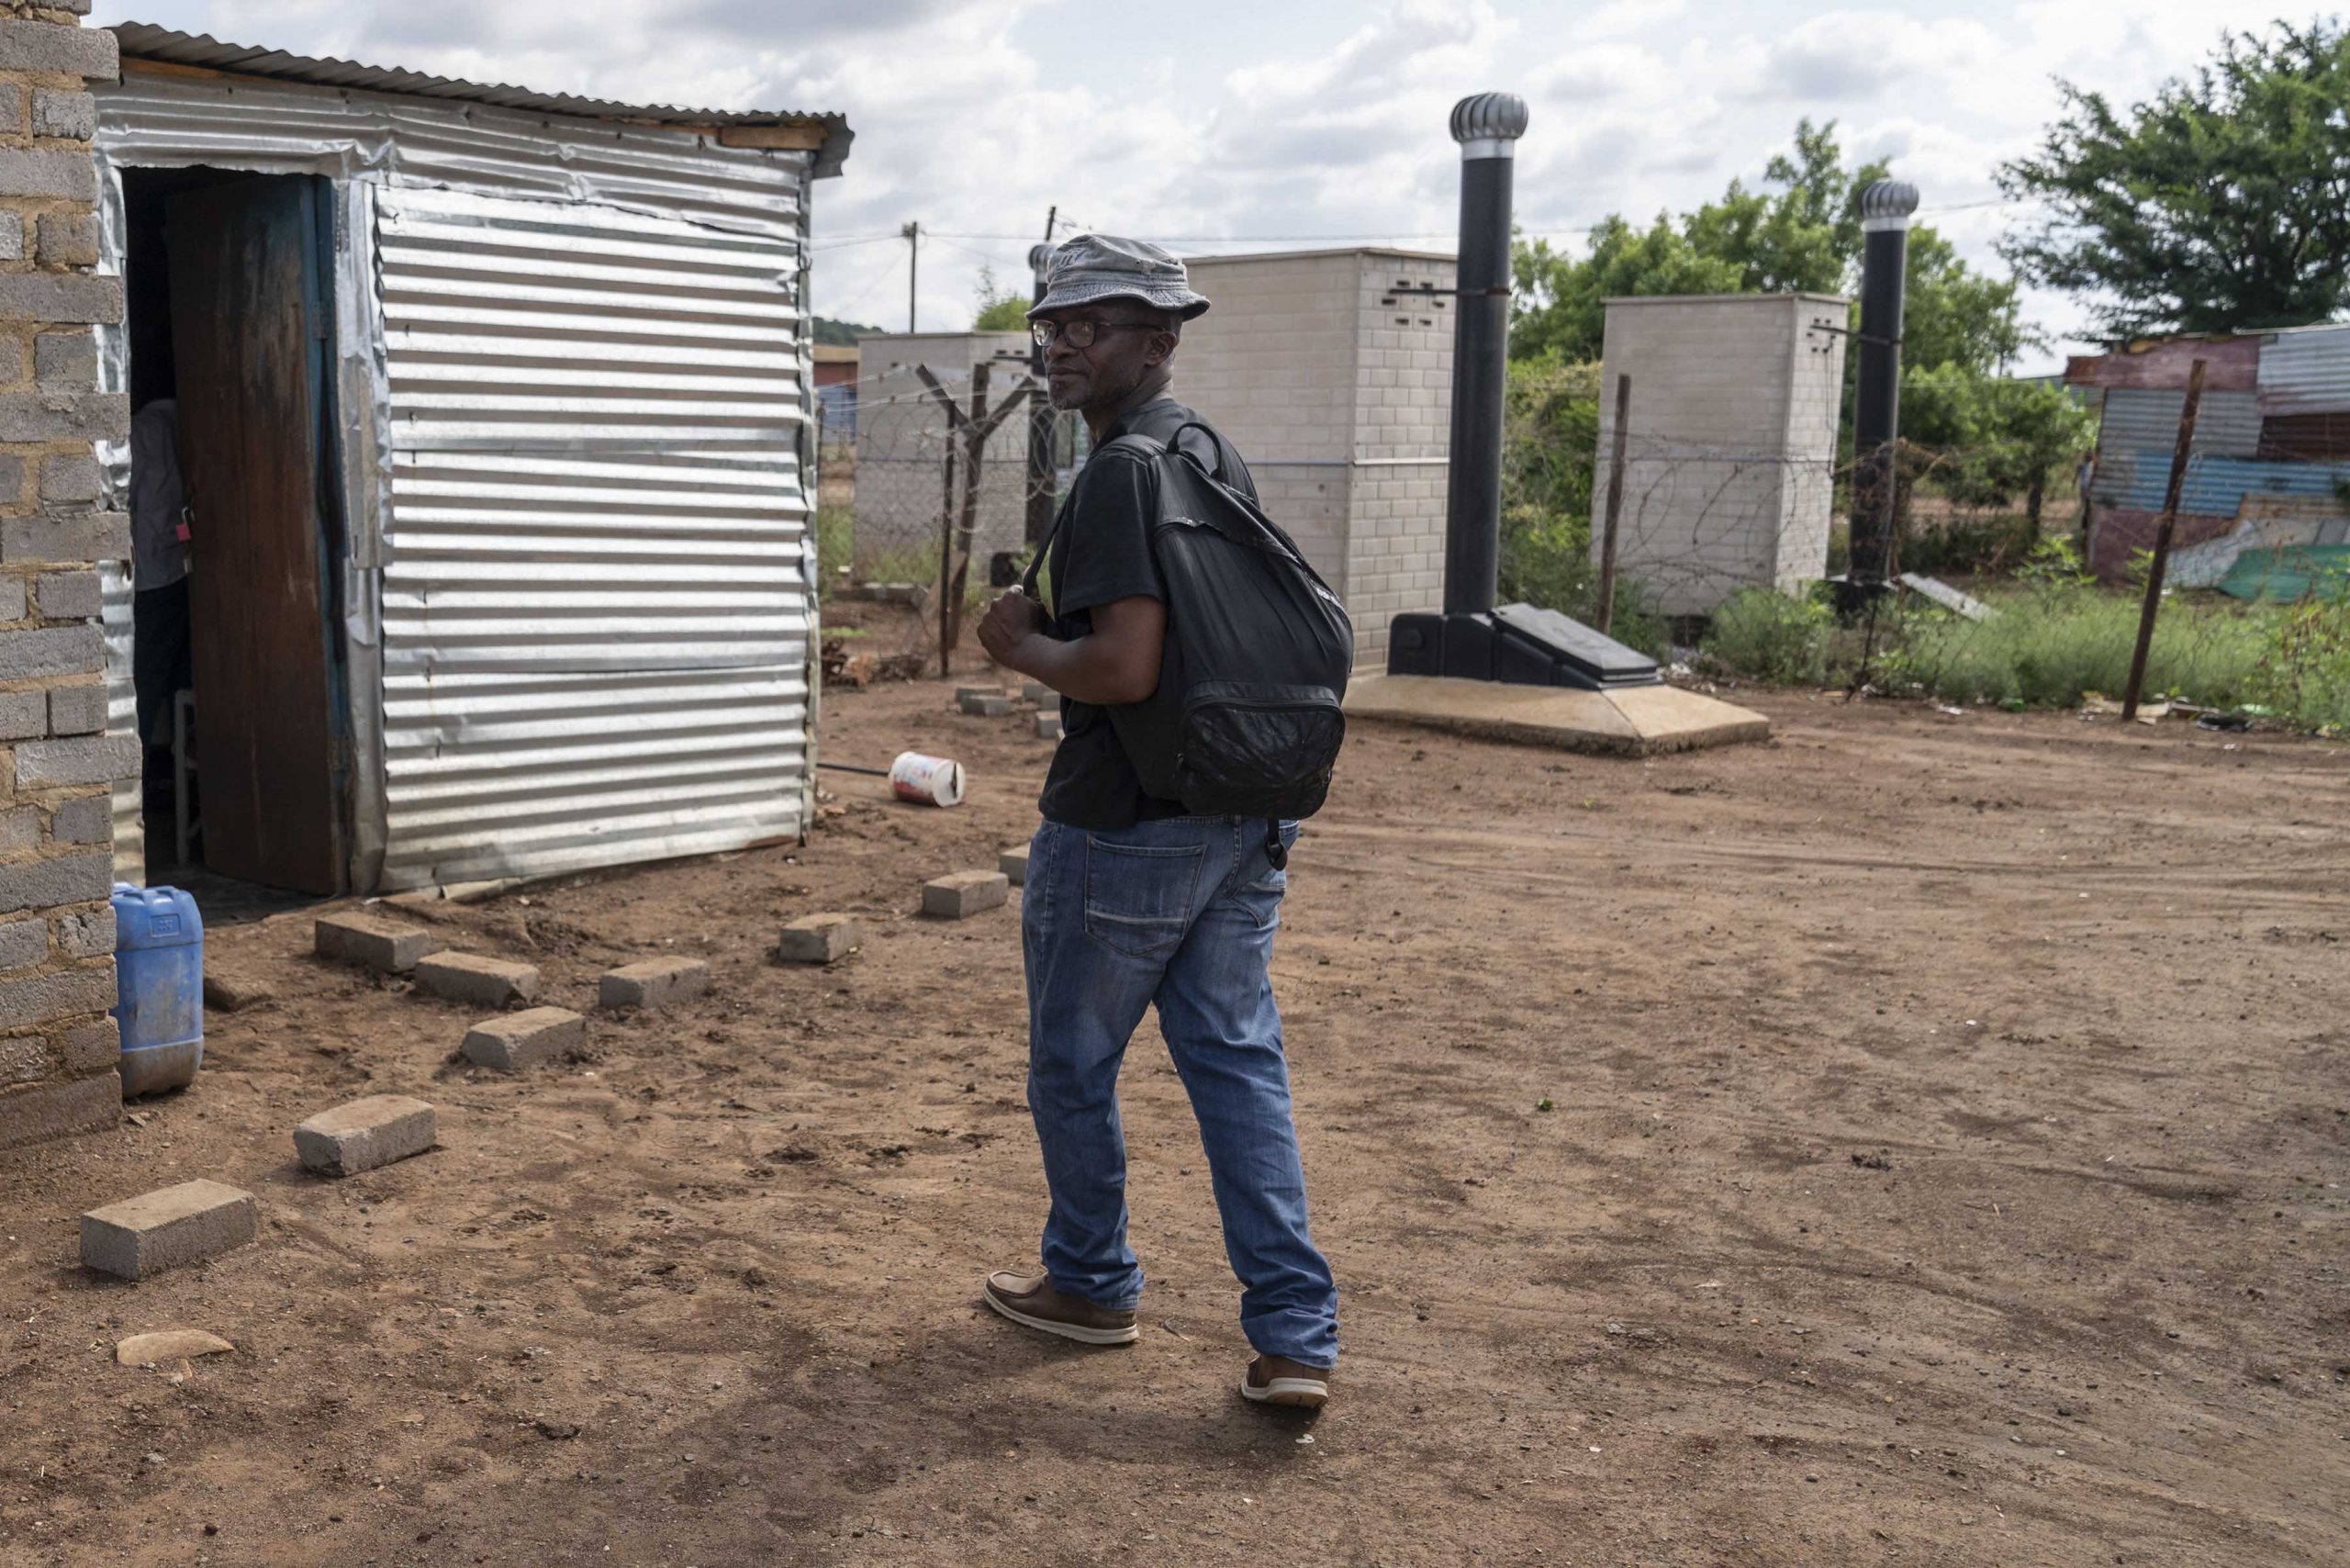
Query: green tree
[(1802, 231), (1001, 309), (843, 334), (2221, 203)]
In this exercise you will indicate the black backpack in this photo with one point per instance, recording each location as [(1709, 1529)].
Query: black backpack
[(1246, 722)]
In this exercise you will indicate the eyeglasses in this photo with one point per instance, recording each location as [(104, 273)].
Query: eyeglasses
[(1082, 331)]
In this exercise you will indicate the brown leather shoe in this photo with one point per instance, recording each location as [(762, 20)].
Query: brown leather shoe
[(1277, 1380), (1031, 1300)]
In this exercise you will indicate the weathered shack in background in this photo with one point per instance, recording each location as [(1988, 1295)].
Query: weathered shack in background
[(2262, 505), (493, 406)]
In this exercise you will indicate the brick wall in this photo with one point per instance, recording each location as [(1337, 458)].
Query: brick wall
[(58, 1047), (1402, 430), (1335, 383)]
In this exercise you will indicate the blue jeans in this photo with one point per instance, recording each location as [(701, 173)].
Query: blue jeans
[(1179, 913)]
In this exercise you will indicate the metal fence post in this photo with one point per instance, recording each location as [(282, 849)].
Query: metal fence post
[(1606, 619)]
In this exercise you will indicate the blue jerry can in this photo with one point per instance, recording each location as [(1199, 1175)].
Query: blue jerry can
[(159, 987)]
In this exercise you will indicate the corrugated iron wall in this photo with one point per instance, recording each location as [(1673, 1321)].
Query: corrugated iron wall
[(2306, 372), (150, 120), (595, 606)]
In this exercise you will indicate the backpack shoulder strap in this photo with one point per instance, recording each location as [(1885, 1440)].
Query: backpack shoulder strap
[(1134, 442)]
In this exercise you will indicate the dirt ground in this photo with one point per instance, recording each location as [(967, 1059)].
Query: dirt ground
[(1945, 1167)]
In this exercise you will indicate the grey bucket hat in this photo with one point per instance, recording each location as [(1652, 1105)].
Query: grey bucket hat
[(1087, 267)]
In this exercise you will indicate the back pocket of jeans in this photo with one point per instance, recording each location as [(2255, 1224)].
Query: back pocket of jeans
[(1138, 897)]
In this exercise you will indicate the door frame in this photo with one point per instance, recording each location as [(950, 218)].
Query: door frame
[(353, 404)]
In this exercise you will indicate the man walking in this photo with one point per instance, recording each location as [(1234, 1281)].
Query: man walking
[(1129, 901)]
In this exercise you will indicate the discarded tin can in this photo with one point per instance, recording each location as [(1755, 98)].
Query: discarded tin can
[(928, 780)]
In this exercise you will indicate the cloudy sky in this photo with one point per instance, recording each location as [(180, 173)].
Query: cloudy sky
[(1259, 124)]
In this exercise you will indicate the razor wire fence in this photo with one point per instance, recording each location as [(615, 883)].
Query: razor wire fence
[(1729, 552), (934, 485)]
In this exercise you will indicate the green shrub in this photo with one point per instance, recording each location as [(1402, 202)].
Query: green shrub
[(2304, 670), (1766, 635)]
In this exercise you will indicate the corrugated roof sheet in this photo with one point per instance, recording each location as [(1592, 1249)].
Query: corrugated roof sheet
[(143, 40)]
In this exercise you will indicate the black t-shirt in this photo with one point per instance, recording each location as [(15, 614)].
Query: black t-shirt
[(1102, 555)]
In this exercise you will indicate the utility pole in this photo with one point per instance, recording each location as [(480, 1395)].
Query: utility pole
[(912, 231)]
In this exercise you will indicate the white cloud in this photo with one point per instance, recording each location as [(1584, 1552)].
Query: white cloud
[(975, 116)]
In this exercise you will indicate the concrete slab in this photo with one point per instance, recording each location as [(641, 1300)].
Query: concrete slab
[(655, 982), (1641, 720), (363, 1134), (477, 980), (1014, 864), (167, 1227), (1048, 727), (818, 939), (987, 705)]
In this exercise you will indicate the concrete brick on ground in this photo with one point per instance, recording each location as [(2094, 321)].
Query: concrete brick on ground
[(234, 993), (389, 947), (477, 980), (961, 894), (1048, 727), (516, 1040), (365, 1134), (984, 704), (1036, 692), (655, 982), (40, 1112), (819, 939), (167, 1228), (1014, 864)]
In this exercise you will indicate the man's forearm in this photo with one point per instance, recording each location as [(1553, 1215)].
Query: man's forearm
[(1084, 668)]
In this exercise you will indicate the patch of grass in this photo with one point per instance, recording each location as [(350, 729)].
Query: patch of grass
[(1767, 635), (2048, 644), (835, 543)]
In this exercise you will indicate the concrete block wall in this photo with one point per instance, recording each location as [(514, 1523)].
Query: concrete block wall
[(1334, 381), (1730, 454), (59, 1049), (901, 445), (1402, 430)]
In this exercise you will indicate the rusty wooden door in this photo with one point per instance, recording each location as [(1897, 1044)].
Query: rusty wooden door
[(249, 324)]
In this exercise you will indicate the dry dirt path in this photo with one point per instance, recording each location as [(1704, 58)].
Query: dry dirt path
[(1949, 1120)]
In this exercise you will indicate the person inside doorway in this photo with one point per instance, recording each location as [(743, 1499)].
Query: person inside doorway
[(161, 663)]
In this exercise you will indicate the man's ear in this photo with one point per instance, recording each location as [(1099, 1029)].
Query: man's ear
[(1161, 348)]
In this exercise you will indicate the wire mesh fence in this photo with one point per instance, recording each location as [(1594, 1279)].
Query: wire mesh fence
[(934, 486)]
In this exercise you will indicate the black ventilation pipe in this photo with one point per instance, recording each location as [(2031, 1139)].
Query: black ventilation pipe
[(1471, 638), (1487, 127), (1886, 206)]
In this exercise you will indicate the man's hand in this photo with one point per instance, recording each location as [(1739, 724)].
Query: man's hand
[(1011, 622)]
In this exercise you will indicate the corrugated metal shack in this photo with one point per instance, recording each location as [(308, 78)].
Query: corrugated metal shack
[(560, 585), (2266, 469)]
